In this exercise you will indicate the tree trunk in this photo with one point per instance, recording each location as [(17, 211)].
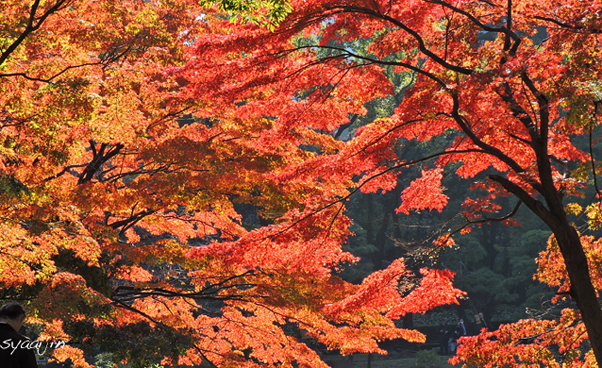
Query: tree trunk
[(582, 290), (380, 241), (575, 260), (408, 321)]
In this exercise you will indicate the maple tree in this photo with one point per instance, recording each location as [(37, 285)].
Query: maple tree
[(122, 163), (509, 83)]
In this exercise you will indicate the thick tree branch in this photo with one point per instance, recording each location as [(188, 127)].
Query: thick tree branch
[(552, 196), (342, 128), (98, 159), (544, 116), (534, 205), (508, 27)]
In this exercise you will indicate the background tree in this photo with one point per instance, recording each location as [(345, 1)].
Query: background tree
[(557, 337), (515, 100)]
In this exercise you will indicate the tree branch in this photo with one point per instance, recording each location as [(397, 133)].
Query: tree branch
[(507, 31), (499, 219), (491, 150), (31, 27), (508, 27), (534, 205), (131, 221), (566, 25), (98, 159), (421, 44), (349, 54)]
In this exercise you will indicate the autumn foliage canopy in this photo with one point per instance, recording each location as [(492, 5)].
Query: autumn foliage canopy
[(135, 135), (118, 190)]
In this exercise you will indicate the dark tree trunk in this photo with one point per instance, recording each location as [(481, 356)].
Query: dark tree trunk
[(552, 213), (575, 260), (582, 290)]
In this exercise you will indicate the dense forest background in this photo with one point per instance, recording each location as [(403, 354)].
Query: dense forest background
[(494, 263)]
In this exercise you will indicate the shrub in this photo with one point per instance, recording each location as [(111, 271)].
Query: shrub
[(427, 359)]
